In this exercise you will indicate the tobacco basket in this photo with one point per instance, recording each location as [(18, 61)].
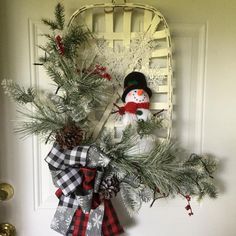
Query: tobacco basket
[(120, 24)]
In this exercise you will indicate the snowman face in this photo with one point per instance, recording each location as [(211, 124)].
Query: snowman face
[(137, 95)]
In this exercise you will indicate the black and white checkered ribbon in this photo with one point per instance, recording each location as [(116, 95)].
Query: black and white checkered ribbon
[(65, 166)]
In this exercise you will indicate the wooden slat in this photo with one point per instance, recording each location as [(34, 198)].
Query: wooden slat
[(105, 116), (127, 27), (147, 18), (161, 71), (123, 35), (159, 106), (112, 35), (160, 89), (117, 35), (109, 26), (161, 34), (88, 18), (153, 26), (161, 52)]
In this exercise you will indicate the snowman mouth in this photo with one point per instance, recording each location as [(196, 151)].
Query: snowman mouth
[(141, 99)]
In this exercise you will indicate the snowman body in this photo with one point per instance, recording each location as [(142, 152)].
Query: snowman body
[(136, 97), (138, 100)]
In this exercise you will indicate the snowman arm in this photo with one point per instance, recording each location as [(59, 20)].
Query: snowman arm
[(121, 110), (159, 112)]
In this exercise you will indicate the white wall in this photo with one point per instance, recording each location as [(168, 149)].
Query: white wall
[(212, 218)]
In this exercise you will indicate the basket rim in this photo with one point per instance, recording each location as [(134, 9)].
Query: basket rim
[(114, 5)]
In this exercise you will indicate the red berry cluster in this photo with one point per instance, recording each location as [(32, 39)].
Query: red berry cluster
[(101, 70), (60, 45), (188, 207)]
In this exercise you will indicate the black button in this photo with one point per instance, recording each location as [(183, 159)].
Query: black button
[(139, 113)]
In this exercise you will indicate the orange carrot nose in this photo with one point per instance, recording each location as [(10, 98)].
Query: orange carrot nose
[(140, 92)]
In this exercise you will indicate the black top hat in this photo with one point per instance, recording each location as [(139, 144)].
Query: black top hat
[(135, 80)]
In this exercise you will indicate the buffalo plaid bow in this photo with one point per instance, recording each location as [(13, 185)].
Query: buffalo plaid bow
[(80, 211)]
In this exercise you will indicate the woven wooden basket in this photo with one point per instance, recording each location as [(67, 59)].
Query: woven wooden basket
[(122, 23)]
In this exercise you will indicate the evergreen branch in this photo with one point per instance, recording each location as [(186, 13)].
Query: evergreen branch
[(156, 198), (54, 74), (75, 37), (52, 24), (60, 16), (41, 122), (51, 41), (161, 168), (18, 93), (149, 127), (58, 24), (131, 198)]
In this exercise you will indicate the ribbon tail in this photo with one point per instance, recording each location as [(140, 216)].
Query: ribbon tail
[(79, 224), (94, 226), (62, 219), (111, 225)]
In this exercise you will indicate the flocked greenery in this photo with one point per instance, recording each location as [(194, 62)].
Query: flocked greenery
[(164, 171), (78, 89)]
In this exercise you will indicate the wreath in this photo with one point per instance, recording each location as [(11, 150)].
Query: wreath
[(89, 171)]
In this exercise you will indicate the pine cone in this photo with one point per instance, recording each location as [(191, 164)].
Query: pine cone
[(69, 137), (109, 187)]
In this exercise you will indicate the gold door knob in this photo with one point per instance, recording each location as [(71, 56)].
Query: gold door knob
[(6, 192), (7, 230)]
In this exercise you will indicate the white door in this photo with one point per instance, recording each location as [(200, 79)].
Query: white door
[(204, 34)]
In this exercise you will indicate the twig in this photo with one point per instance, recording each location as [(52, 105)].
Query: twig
[(164, 196), (155, 114)]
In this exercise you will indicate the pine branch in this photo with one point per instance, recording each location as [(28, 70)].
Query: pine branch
[(54, 74), (60, 16), (52, 24), (149, 127), (131, 198), (162, 168), (58, 24), (75, 37), (44, 120), (18, 93)]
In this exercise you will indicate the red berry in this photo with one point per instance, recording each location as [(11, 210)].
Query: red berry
[(188, 198), (188, 207)]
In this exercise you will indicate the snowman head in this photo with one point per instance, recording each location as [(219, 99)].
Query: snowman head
[(135, 88), (137, 96)]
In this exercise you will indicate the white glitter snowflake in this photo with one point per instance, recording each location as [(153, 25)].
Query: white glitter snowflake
[(103, 160), (61, 217), (55, 224), (97, 221), (121, 60), (62, 210)]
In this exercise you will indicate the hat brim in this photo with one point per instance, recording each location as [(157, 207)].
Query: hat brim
[(146, 89)]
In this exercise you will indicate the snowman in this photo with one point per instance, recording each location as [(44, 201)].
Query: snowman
[(136, 97)]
